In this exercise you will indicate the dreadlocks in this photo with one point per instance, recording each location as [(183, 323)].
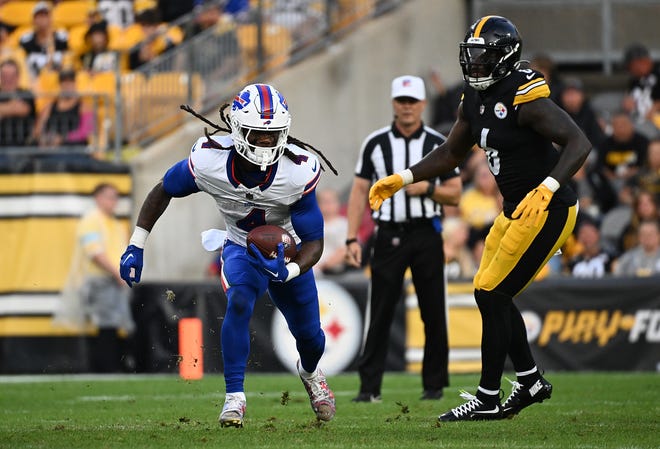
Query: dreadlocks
[(225, 120)]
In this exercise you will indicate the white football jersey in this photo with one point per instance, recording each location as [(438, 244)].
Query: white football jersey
[(268, 203)]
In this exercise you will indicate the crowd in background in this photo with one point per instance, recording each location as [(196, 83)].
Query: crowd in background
[(618, 227), (618, 186)]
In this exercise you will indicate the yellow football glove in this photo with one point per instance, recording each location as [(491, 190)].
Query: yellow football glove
[(531, 208), (384, 189)]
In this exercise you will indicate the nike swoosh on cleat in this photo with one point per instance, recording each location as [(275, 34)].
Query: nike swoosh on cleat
[(486, 412)]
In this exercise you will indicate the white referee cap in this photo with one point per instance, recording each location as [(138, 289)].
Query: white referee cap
[(409, 86)]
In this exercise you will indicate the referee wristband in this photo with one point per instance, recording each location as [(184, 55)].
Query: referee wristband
[(349, 241), (139, 237)]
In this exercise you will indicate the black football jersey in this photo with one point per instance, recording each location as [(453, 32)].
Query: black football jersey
[(519, 157)]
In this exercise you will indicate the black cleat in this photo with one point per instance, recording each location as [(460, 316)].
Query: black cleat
[(473, 410), (366, 397), (431, 395), (522, 396)]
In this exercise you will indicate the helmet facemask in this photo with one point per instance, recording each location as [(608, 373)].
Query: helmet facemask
[(483, 65), (259, 107), (489, 51)]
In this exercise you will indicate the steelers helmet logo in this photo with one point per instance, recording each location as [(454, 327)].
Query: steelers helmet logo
[(500, 110), (342, 325)]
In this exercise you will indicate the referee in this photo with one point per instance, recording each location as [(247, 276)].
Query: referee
[(407, 236)]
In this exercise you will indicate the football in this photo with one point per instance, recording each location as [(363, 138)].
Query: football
[(266, 238)]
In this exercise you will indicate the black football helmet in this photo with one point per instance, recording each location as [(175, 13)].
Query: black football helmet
[(489, 52)]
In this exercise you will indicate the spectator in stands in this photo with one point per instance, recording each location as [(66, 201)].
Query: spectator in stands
[(574, 101), (445, 103), (459, 263), (98, 57), (17, 107), (335, 227), (648, 177), (623, 153), (218, 55), (155, 39), (67, 120), (480, 204), (644, 208), (643, 88), (117, 12), (298, 16), (595, 258), (594, 190), (44, 47), (171, 10), (546, 65), (644, 259)]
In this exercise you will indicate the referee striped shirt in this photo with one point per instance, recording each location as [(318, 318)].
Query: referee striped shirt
[(385, 152)]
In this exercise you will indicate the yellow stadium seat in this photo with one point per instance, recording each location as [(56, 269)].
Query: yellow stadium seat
[(69, 13), (133, 90), (141, 5), (165, 92), (276, 41), (46, 87), (128, 38), (17, 12), (15, 36)]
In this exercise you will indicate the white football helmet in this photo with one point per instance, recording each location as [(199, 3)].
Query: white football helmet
[(259, 107)]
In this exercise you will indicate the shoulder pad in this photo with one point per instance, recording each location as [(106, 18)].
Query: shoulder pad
[(532, 85)]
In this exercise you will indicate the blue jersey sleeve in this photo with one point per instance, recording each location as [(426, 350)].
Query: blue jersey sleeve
[(306, 217), (179, 180)]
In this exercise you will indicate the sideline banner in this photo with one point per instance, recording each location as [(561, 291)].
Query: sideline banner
[(609, 324)]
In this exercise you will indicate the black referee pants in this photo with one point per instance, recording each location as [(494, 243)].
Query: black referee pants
[(395, 249)]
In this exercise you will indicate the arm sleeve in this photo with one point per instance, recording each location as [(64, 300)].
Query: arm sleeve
[(179, 180), (306, 218)]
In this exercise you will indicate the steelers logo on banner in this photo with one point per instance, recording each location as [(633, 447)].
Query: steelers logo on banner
[(533, 324), (341, 323)]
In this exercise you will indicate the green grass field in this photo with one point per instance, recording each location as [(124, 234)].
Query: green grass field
[(587, 410)]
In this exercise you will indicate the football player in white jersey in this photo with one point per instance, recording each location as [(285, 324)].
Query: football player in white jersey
[(257, 175)]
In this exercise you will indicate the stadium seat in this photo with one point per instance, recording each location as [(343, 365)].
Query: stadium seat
[(141, 5), (15, 36), (69, 13), (133, 90), (350, 11), (276, 41), (165, 92), (46, 87), (17, 13)]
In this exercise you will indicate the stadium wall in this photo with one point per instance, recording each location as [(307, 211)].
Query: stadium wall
[(336, 98)]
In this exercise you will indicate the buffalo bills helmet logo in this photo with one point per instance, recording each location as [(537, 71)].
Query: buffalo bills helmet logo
[(241, 100)]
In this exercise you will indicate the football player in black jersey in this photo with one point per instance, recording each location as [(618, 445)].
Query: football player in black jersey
[(506, 111)]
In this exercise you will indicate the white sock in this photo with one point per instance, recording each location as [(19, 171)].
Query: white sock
[(305, 374), (240, 395), (526, 373)]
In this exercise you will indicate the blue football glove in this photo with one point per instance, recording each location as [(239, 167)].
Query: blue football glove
[(132, 258), (275, 268)]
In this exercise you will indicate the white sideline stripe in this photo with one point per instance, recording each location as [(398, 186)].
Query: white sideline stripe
[(455, 355), (19, 206), (457, 300), (37, 304)]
